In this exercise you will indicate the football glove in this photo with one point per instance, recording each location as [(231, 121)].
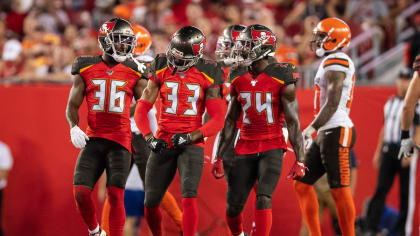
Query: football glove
[(181, 140), (217, 169), (78, 137), (156, 145), (307, 136), (407, 148), (297, 172)]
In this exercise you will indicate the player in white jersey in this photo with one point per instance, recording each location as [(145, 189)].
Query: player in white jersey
[(329, 152)]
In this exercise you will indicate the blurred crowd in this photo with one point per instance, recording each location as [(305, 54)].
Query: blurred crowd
[(39, 39)]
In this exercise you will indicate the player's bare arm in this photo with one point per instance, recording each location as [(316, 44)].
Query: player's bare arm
[(150, 94), (335, 87), (410, 101), (75, 100), (291, 112), (138, 91), (228, 132), (211, 93)]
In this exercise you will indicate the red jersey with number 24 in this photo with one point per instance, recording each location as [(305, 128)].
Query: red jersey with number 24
[(262, 112)]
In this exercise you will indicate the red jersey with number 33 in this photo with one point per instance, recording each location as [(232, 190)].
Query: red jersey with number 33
[(109, 92), (182, 95), (262, 112)]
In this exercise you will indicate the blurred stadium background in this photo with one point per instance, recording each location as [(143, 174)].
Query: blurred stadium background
[(39, 39)]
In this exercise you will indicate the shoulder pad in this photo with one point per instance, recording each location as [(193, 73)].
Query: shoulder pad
[(211, 69), (416, 64), (83, 62), (137, 66), (285, 73), (236, 71), (159, 63)]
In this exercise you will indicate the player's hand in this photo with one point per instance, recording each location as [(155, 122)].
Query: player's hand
[(217, 169), (298, 171), (78, 137), (156, 145), (407, 148), (181, 140)]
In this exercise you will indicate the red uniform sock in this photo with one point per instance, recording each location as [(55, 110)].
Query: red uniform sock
[(235, 224), (84, 202), (154, 219), (189, 216), (345, 210), (309, 207), (115, 197), (263, 222)]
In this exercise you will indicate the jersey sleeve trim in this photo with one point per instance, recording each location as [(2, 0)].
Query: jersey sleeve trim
[(84, 68), (278, 80), (160, 70), (138, 73), (336, 61), (207, 77)]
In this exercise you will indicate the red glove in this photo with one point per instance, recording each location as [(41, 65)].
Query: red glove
[(217, 169), (297, 171)]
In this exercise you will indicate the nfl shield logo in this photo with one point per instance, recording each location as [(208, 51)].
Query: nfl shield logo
[(110, 72)]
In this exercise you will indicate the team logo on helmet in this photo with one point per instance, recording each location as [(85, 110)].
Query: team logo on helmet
[(264, 37), (235, 34), (106, 28), (198, 48)]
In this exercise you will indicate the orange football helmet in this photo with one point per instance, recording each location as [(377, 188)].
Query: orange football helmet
[(329, 35), (144, 39)]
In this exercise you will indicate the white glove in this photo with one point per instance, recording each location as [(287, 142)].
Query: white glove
[(285, 134), (78, 137), (407, 148), (307, 136)]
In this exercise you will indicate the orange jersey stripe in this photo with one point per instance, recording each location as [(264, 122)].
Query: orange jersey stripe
[(336, 61), (342, 131)]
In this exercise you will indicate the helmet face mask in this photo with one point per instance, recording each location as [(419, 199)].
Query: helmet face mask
[(185, 48), (117, 39), (253, 44), (223, 48)]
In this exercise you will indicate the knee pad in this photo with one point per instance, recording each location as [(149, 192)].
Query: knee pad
[(234, 210), (81, 194), (117, 180), (263, 202), (153, 199)]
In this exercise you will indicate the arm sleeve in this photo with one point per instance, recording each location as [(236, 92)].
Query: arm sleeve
[(217, 111), (141, 116)]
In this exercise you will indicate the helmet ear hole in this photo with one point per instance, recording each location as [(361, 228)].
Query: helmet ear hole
[(334, 40)]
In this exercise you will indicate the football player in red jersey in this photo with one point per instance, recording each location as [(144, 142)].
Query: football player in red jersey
[(264, 93), (109, 82), (187, 85)]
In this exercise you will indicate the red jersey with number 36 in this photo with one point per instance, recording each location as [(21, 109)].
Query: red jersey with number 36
[(262, 112), (182, 95), (109, 92)]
